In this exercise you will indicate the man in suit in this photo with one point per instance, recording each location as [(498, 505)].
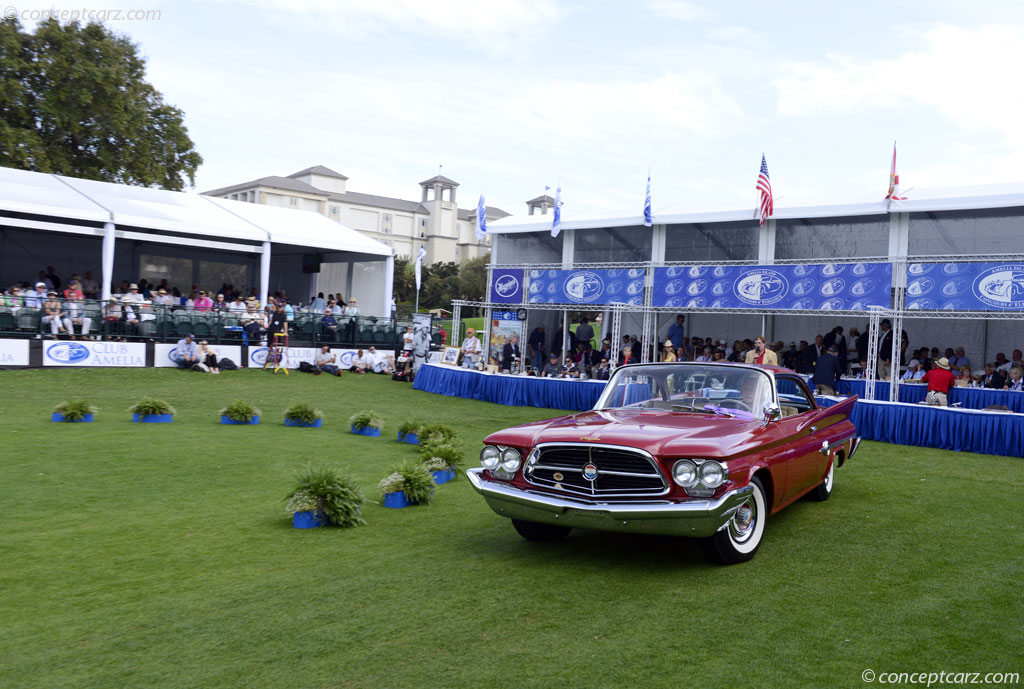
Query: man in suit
[(510, 355), (836, 337), (827, 371), (760, 354), (992, 378), (885, 350)]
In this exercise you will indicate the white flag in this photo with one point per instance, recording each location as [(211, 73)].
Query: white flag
[(481, 219), (556, 221), (419, 267)]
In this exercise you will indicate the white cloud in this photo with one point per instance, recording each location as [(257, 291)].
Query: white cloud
[(965, 75), (680, 10)]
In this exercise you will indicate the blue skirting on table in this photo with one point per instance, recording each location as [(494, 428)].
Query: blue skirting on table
[(946, 428), (967, 398), (515, 391)]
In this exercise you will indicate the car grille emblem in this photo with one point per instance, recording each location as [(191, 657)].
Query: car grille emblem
[(558, 476), (590, 471)]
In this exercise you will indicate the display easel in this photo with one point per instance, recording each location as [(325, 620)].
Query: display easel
[(278, 353)]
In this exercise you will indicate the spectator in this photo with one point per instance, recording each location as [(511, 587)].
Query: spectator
[(289, 312), (129, 317), (677, 331), (330, 325), (790, 357), (960, 360), (471, 349), (407, 340), (187, 351), (352, 310), (334, 308), (992, 378), (162, 300), (237, 307), (219, 305), (76, 316), (254, 323), (55, 316), (668, 354), (317, 304), (760, 354), (964, 379), (203, 303), (827, 371), (378, 362), (278, 322), (1016, 381), (326, 362), (915, 371), (511, 355), (719, 355), (90, 287), (603, 371), (133, 295), (939, 380), (536, 345), (584, 331), (208, 358), (706, 354), (552, 369), (1017, 360), (1002, 365), (35, 299), (813, 353), (45, 279), (627, 356), (13, 300), (360, 363)]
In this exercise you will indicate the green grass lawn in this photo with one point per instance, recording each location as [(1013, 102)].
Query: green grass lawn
[(161, 556)]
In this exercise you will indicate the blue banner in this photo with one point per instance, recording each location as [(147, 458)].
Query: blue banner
[(965, 286), (506, 286), (812, 287), (616, 285)]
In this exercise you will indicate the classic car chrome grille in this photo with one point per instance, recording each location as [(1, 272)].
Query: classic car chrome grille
[(621, 471)]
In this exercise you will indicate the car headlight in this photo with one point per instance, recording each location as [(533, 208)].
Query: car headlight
[(684, 472), (510, 460), (712, 474), (490, 457)]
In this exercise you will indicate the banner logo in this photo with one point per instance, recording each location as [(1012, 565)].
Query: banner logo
[(761, 287), (832, 269), (674, 287), (1001, 287), (920, 268), (803, 287), (635, 273), (507, 285), (954, 287), (67, 352), (831, 305), (862, 287), (259, 356), (697, 271), (583, 287), (920, 287), (635, 287), (697, 287), (832, 287)]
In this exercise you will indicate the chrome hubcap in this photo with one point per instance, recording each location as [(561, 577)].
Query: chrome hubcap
[(743, 517), (743, 522)]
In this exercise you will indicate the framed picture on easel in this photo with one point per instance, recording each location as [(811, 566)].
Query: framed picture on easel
[(451, 356)]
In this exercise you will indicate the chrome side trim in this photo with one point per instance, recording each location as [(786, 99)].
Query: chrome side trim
[(692, 517)]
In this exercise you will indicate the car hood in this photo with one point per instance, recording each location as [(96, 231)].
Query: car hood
[(662, 433)]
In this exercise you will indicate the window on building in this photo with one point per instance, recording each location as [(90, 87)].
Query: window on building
[(978, 231), (720, 241), (612, 244), (292, 201), (828, 238), (423, 222), (458, 251), (528, 247), (422, 235), (387, 217), (333, 210)]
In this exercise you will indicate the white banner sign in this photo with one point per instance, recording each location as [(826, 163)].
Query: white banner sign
[(13, 352), (166, 355), (258, 356), (94, 354)]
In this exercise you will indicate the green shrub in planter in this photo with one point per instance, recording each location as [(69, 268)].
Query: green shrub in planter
[(75, 410), (366, 419), (324, 489), (413, 479), (150, 406), (241, 411), (450, 453), (410, 426), (304, 414), (437, 433)]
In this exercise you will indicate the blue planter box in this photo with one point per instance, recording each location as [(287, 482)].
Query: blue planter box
[(395, 500), (59, 418), (411, 438), (292, 422), (228, 421), (372, 432), (308, 520), (443, 476), (152, 418)]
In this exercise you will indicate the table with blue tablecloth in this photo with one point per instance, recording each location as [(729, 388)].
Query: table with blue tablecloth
[(912, 393), (517, 391)]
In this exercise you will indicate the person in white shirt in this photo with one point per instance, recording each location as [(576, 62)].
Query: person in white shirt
[(471, 349), (237, 307), (76, 316), (360, 362), (352, 309), (134, 295), (162, 299), (407, 340), (915, 371), (34, 300), (379, 362), (90, 287)]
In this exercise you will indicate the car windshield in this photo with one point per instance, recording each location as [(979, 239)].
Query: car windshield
[(689, 387)]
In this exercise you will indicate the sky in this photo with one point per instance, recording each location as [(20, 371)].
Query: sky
[(509, 96)]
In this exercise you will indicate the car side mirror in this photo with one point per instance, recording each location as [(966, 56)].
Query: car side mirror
[(772, 412)]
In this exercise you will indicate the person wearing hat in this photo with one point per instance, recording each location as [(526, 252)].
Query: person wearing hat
[(187, 351), (915, 371), (134, 295), (940, 379), (237, 306), (203, 303), (130, 315), (552, 369), (34, 298), (826, 371), (668, 352), (162, 299), (471, 349), (55, 316)]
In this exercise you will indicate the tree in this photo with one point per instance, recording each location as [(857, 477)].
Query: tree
[(74, 101)]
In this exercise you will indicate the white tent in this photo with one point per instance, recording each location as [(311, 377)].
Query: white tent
[(34, 201)]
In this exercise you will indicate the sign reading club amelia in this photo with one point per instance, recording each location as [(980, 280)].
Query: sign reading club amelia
[(94, 354), (965, 286), (506, 286), (813, 287), (610, 286)]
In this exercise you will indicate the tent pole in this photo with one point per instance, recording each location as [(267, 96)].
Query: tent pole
[(389, 283), (108, 260), (265, 275)]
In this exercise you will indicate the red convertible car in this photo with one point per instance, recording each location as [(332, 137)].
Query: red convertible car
[(705, 450)]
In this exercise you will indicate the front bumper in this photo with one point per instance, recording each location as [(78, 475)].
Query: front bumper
[(695, 517)]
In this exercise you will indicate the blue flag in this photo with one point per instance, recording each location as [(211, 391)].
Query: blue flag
[(481, 219), (647, 203), (556, 222)]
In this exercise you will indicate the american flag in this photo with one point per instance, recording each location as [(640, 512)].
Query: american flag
[(764, 186)]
